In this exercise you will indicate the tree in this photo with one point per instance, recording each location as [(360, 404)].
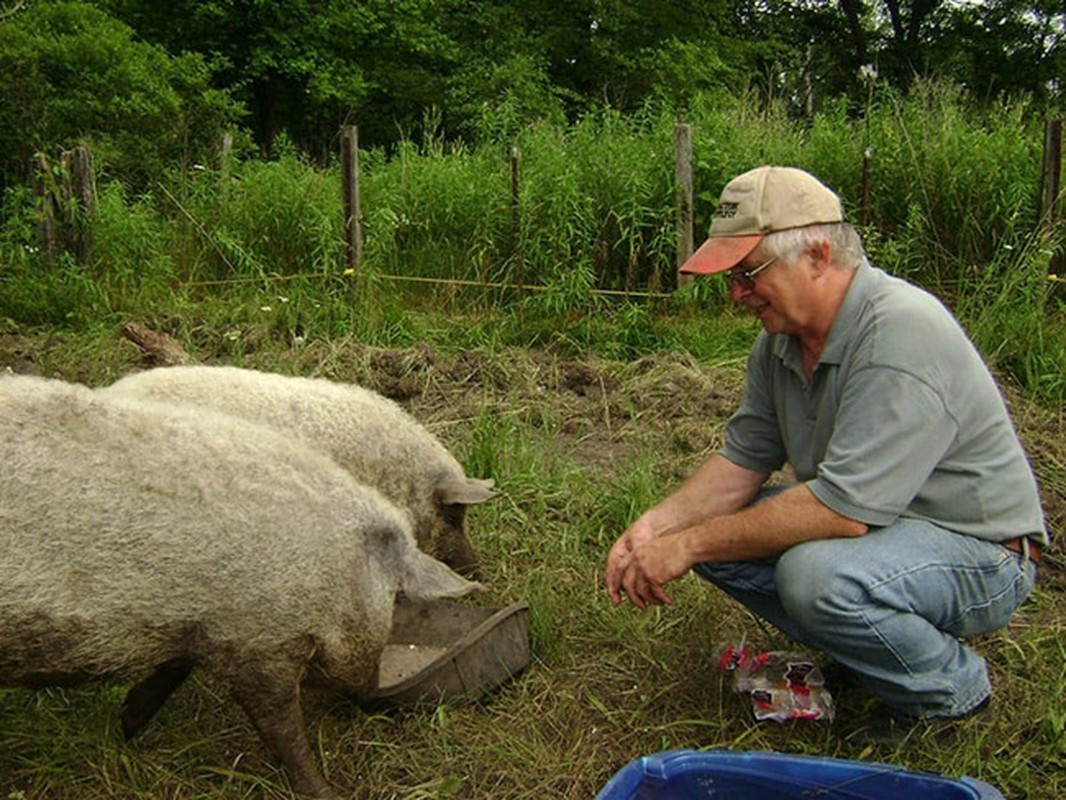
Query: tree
[(833, 41), (644, 48), (306, 67), (590, 53), (990, 47), (9, 10), (70, 74), (303, 68), (1006, 46)]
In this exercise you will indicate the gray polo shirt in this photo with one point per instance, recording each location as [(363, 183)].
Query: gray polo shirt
[(901, 418)]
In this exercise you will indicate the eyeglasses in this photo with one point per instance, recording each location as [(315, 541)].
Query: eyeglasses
[(745, 278)]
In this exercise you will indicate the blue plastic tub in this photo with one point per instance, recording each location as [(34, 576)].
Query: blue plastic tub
[(750, 775)]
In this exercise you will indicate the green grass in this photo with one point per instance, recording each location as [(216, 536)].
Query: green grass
[(953, 206), (584, 406), (579, 443)]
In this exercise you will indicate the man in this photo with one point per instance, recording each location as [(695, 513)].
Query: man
[(916, 518)]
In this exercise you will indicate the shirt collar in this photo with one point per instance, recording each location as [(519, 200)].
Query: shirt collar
[(860, 289)]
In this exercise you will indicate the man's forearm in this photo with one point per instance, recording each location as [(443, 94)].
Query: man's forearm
[(767, 528), (717, 488)]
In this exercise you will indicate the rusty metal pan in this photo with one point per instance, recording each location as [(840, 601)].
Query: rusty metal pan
[(446, 652)]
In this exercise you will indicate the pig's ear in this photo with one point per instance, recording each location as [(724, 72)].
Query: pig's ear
[(425, 578), (465, 491), (417, 575)]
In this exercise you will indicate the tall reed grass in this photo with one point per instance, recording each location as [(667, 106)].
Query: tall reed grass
[(245, 265), (953, 202)]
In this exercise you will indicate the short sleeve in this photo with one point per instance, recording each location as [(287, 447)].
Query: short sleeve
[(753, 435), (878, 461)]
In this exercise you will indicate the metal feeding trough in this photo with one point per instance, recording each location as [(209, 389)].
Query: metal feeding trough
[(445, 651)]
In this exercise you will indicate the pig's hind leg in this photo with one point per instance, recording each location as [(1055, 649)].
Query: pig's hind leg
[(147, 697)]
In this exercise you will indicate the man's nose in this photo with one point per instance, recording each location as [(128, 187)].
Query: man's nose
[(737, 291)]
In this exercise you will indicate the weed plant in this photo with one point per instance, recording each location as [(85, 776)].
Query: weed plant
[(952, 202), (600, 196), (578, 446), (960, 184), (245, 265)]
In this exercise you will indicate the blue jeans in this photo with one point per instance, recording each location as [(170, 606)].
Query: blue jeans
[(892, 605)]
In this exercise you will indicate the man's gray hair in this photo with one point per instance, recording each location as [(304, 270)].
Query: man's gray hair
[(844, 242)]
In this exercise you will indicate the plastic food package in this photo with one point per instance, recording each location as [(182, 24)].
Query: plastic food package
[(782, 685)]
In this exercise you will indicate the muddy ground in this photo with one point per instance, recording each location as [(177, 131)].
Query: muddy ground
[(604, 410), (605, 684)]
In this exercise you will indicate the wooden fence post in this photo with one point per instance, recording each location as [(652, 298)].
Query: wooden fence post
[(515, 219), (225, 165), (65, 199), (1051, 194), (80, 196), (683, 184), (516, 213), (866, 158), (43, 189), (353, 218)]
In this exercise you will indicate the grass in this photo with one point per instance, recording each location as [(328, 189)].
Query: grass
[(584, 407), (578, 443), (953, 206)]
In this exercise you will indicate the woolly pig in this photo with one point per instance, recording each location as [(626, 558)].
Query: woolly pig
[(367, 434), (136, 536)]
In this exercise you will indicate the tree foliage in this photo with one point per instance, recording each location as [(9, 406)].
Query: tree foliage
[(993, 47), (1006, 46), (70, 73), (306, 67), (151, 82)]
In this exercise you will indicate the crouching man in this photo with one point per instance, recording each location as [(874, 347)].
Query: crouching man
[(916, 519)]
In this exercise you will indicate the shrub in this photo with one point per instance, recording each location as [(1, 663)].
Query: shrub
[(70, 74)]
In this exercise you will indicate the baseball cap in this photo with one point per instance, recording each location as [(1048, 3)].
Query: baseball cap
[(756, 203)]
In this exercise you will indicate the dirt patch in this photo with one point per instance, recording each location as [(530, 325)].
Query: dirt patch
[(602, 411), (604, 684), (20, 354)]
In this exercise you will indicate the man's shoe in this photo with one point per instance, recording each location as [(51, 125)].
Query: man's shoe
[(838, 677), (885, 727)]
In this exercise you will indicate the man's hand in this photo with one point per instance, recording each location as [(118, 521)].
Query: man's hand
[(620, 556), (640, 564), (663, 543)]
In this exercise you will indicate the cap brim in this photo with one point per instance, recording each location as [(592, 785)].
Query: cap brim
[(720, 253)]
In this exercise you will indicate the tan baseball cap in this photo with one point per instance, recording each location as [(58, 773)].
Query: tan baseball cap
[(756, 203)]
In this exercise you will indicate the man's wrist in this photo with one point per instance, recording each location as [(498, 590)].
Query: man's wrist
[(648, 524), (705, 540), (688, 544)]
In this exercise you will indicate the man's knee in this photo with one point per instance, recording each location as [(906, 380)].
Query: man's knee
[(815, 584)]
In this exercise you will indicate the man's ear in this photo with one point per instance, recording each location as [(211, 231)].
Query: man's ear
[(821, 257)]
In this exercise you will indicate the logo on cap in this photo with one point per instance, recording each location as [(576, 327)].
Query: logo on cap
[(726, 210)]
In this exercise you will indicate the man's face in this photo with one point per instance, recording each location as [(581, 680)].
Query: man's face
[(773, 293)]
